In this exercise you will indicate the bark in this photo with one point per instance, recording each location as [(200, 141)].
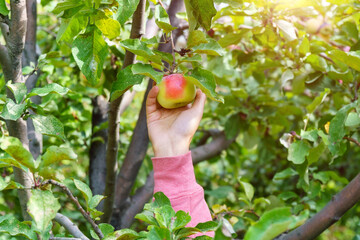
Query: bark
[(140, 140), (11, 58), (137, 31), (198, 154), (97, 168), (70, 226), (330, 214), (30, 56)]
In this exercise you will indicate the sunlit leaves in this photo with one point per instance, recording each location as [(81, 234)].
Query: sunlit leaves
[(287, 28), (205, 81), (195, 38), (200, 13), (126, 9), (12, 111), (13, 227), (56, 154), (89, 51), (140, 48), (210, 48), (352, 59), (43, 207), (162, 19), (47, 89), (108, 26), (125, 79), (3, 8), (317, 101), (71, 27), (48, 125), (15, 149), (19, 91)]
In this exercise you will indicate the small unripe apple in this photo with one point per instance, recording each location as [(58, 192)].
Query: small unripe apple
[(175, 91)]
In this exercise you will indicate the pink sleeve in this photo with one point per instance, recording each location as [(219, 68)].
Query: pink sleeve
[(174, 176)]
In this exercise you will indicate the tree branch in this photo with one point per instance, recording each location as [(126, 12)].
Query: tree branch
[(74, 199), (137, 30), (70, 227), (352, 140), (331, 213)]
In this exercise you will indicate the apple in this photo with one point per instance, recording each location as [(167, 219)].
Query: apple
[(175, 91)]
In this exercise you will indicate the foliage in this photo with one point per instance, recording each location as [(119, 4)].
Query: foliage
[(288, 95)]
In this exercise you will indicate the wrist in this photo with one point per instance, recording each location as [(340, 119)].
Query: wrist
[(169, 150)]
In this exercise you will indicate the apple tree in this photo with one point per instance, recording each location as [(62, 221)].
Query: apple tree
[(276, 151)]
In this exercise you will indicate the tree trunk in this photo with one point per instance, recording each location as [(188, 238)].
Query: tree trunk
[(137, 30)]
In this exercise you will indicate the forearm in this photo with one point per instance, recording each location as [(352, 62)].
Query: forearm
[(174, 176)]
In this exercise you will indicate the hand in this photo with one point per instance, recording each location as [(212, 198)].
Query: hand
[(171, 130)]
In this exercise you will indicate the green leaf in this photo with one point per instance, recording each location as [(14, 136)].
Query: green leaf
[(85, 190), (233, 38), (232, 126), (123, 234), (108, 26), (352, 120), (125, 79), (12, 111), (48, 125), (287, 29), (56, 154), (274, 222), (147, 70), (207, 226), (47, 89), (89, 51), (162, 19), (315, 153), (212, 47), (304, 47), (126, 9), (352, 59), (70, 28), (105, 228), (95, 200), (311, 135), (181, 220), (16, 150), (200, 13), (8, 161), (185, 232), (139, 48), (164, 215), (18, 89), (3, 8), (161, 200), (298, 151), (157, 233), (317, 101), (14, 227), (317, 62), (42, 207), (147, 217), (286, 76), (65, 5), (337, 125), (205, 81), (248, 189), (289, 172), (195, 38), (27, 70)]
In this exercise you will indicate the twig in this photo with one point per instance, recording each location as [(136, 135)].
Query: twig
[(70, 227), (352, 140), (323, 55), (331, 213), (173, 53), (75, 200)]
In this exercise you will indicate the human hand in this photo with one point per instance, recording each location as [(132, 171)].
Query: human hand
[(171, 130)]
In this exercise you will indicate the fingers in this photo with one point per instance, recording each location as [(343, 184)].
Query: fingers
[(151, 104), (199, 102)]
